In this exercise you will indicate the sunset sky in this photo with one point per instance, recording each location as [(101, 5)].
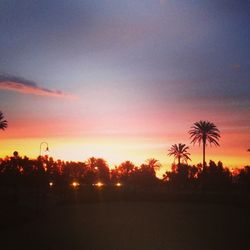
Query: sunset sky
[(124, 79)]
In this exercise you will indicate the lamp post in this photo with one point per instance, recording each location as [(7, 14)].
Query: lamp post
[(47, 146)]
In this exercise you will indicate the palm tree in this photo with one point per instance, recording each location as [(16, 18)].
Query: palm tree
[(204, 131), (153, 164), (126, 168), (3, 123), (179, 151)]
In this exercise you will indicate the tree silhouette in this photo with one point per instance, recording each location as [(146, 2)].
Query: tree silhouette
[(97, 170), (126, 168), (3, 123), (203, 132), (153, 163), (179, 151)]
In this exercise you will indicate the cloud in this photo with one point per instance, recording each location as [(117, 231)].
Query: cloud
[(24, 86)]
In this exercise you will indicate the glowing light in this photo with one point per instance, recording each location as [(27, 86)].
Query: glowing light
[(75, 184), (118, 184), (99, 184), (45, 167), (51, 184)]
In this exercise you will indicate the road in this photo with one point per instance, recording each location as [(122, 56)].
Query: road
[(134, 225)]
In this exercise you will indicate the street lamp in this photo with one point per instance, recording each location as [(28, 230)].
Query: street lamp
[(47, 147)]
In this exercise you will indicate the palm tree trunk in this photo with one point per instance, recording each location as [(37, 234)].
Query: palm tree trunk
[(179, 160), (204, 153)]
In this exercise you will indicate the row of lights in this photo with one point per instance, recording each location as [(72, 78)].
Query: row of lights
[(77, 184)]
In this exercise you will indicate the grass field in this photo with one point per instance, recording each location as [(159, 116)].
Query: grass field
[(134, 225)]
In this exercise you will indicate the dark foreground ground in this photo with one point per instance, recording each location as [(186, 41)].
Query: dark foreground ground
[(134, 225)]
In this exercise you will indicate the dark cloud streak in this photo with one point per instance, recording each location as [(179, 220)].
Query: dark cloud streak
[(21, 85)]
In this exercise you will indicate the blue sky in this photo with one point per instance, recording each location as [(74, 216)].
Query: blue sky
[(151, 66)]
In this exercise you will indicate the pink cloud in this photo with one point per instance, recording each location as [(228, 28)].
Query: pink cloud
[(27, 87)]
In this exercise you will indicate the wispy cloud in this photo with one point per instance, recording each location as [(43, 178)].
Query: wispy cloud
[(24, 86)]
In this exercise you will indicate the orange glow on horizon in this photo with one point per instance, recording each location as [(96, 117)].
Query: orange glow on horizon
[(117, 150)]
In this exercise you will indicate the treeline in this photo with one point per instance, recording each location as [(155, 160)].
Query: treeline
[(44, 172)]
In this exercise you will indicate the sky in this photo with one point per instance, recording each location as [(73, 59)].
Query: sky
[(124, 79)]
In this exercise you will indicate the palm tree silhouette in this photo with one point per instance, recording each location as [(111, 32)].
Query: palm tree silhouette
[(153, 163), (3, 123), (179, 151), (204, 131)]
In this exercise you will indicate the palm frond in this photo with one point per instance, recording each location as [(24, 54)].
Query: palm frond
[(179, 151), (204, 131), (3, 123)]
